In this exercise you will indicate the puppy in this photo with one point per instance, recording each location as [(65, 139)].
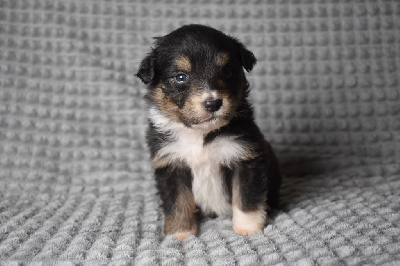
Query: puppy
[(206, 150)]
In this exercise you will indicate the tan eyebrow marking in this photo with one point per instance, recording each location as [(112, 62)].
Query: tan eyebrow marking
[(183, 63), (222, 58)]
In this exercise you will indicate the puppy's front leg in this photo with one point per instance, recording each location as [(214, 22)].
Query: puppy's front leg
[(174, 185), (249, 195)]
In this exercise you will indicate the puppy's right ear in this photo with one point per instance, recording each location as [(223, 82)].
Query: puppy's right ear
[(147, 68)]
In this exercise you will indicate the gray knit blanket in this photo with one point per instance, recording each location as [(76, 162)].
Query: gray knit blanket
[(76, 185)]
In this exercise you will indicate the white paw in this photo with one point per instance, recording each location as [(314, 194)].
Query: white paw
[(248, 223), (247, 231), (183, 235)]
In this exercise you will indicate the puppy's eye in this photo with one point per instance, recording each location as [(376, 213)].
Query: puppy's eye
[(181, 77)]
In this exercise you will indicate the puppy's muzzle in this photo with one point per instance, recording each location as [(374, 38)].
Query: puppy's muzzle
[(212, 105)]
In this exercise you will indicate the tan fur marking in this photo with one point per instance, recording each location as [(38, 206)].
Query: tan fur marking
[(183, 64), (182, 223), (163, 161), (222, 58), (230, 102), (249, 154), (160, 162), (236, 199), (169, 109), (246, 223), (193, 107)]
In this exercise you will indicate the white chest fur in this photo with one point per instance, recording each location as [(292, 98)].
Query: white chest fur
[(205, 162)]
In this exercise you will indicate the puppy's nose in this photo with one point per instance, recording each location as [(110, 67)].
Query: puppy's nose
[(213, 105)]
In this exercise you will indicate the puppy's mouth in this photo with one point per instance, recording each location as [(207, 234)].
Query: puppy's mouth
[(210, 119), (210, 123)]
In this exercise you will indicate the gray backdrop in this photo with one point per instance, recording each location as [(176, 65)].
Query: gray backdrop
[(75, 180)]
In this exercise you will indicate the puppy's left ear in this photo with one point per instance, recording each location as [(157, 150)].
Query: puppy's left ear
[(147, 68), (247, 58)]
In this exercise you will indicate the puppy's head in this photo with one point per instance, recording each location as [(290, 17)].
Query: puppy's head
[(195, 76)]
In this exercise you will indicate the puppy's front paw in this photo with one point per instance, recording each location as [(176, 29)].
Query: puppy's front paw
[(247, 231), (248, 223), (183, 235)]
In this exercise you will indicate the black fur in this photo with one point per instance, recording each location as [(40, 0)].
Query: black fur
[(259, 176), (168, 180)]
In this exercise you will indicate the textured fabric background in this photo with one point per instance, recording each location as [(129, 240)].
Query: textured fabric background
[(75, 180)]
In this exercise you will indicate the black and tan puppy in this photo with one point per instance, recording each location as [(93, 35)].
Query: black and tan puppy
[(206, 150)]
